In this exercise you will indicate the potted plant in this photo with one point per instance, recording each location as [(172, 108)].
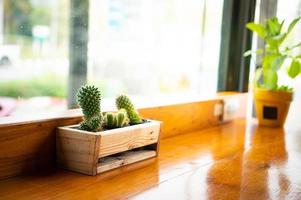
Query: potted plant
[(102, 142), (272, 100)]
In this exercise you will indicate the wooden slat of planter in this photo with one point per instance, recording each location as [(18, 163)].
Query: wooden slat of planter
[(76, 151), (79, 150), (126, 158), (118, 140)]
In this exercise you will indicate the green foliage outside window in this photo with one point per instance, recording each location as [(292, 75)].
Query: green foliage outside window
[(46, 85)]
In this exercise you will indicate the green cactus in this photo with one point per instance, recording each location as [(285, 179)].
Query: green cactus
[(88, 98), (109, 120), (123, 101), (92, 124), (116, 120), (122, 118)]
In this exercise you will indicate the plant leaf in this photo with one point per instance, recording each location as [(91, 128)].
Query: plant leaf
[(267, 60), (273, 61), (273, 27), (285, 88), (270, 79), (280, 38), (250, 52), (277, 62), (257, 28), (294, 69), (292, 24), (281, 25)]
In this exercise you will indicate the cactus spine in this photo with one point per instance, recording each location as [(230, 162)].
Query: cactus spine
[(88, 98), (123, 101), (116, 120)]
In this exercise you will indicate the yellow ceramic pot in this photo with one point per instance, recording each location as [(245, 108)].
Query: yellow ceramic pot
[(272, 106)]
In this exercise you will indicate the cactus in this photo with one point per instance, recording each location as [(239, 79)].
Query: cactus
[(88, 98), (92, 124), (122, 118), (123, 101), (109, 120), (116, 120)]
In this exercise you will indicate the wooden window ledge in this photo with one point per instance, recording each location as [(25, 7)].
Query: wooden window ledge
[(237, 160)]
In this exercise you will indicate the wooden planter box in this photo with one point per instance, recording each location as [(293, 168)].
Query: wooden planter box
[(96, 152)]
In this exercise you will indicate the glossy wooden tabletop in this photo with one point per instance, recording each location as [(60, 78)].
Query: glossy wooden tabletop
[(233, 161)]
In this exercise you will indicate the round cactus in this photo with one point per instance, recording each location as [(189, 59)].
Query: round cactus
[(123, 101), (88, 98)]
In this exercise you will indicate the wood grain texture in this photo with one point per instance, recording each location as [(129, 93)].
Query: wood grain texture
[(237, 160), (118, 140), (184, 118), (77, 150), (27, 146), (126, 158)]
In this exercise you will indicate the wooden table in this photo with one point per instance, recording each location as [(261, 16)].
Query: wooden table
[(231, 161)]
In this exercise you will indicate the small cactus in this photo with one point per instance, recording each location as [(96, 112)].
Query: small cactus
[(122, 118), (109, 120), (93, 124), (88, 98), (123, 101), (116, 120)]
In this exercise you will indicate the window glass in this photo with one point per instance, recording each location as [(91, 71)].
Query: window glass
[(288, 12), (33, 56), (154, 50)]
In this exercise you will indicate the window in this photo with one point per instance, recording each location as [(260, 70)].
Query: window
[(153, 50), (288, 12), (33, 56)]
